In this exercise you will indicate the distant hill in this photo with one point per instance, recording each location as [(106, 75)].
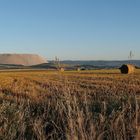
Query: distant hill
[(11, 66), (44, 66), (102, 64), (73, 65)]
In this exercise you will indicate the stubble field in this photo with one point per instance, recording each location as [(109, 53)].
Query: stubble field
[(86, 105)]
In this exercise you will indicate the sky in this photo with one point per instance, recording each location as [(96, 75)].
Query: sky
[(71, 29)]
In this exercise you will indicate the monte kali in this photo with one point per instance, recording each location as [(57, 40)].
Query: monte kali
[(21, 59)]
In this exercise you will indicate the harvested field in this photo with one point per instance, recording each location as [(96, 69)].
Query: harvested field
[(86, 105)]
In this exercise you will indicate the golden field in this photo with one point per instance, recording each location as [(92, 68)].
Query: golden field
[(52, 105)]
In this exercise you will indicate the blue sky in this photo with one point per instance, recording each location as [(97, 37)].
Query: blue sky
[(71, 29)]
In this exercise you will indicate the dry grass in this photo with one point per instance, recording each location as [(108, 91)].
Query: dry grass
[(88, 105)]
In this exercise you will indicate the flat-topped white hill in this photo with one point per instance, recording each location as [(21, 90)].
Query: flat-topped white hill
[(21, 59)]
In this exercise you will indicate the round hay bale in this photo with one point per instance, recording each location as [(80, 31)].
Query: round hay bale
[(62, 69), (78, 69), (127, 69)]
